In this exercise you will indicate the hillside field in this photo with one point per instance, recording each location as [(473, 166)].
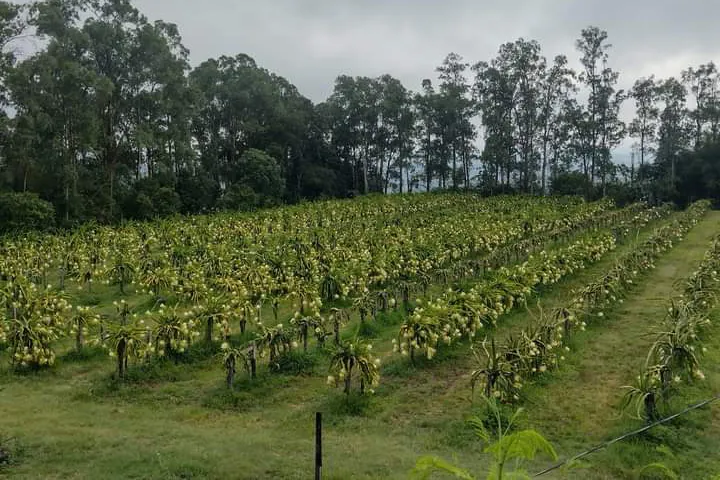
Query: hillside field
[(127, 352)]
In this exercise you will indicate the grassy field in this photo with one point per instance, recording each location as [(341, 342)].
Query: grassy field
[(179, 421)]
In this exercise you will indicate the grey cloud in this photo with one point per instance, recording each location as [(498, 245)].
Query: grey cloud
[(311, 42)]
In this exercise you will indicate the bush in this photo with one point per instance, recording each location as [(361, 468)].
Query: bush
[(11, 453), (25, 211), (151, 198), (570, 183), (258, 183), (238, 197), (295, 362)]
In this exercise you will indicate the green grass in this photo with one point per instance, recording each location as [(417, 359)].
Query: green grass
[(177, 420)]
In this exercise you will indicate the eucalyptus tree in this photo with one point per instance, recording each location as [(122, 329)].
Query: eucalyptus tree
[(106, 92), (13, 24), (675, 129), (354, 107), (396, 132), (644, 126), (612, 128), (455, 111), (427, 130), (494, 94), (510, 92), (702, 83), (602, 127), (557, 85), (526, 68)]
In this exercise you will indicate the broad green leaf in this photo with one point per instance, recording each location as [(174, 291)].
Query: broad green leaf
[(657, 469), (522, 445), (427, 465)]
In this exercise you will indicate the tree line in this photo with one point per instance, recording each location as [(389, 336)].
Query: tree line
[(108, 121)]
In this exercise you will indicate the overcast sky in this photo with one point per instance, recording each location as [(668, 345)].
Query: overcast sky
[(310, 42)]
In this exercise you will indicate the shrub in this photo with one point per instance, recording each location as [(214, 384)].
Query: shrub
[(295, 362), (25, 211)]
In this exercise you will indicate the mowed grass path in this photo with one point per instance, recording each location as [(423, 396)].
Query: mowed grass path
[(578, 406), (65, 424)]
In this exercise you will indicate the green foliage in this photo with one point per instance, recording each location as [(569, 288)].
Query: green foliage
[(239, 197), (354, 358), (656, 470), (12, 452), (139, 138), (674, 355), (505, 446), (263, 175), (570, 183), (295, 362), (426, 466), (25, 211), (642, 398)]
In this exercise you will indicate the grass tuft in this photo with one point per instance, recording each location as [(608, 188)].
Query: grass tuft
[(295, 362), (355, 405)]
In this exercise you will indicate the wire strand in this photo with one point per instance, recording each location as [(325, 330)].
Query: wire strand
[(629, 434)]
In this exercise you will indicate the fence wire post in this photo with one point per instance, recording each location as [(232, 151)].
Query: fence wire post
[(318, 445)]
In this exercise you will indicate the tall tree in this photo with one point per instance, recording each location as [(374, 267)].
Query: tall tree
[(138, 69), (702, 82), (516, 104), (593, 47), (526, 68), (494, 91), (456, 110), (645, 124), (603, 126), (674, 126), (396, 131), (426, 107), (555, 89)]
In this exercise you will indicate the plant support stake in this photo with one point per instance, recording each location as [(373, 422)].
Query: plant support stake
[(318, 445)]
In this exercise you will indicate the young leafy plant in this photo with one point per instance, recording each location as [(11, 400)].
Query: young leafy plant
[(501, 442)]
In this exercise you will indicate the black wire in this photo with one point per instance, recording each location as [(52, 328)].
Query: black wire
[(629, 434)]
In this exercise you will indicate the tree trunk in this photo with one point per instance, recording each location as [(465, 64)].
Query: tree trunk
[(230, 366), (304, 330), (400, 167), (454, 168), (121, 352), (650, 408), (112, 191), (79, 338), (365, 171), (209, 330), (544, 166), (428, 171), (67, 203), (348, 379), (253, 361)]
